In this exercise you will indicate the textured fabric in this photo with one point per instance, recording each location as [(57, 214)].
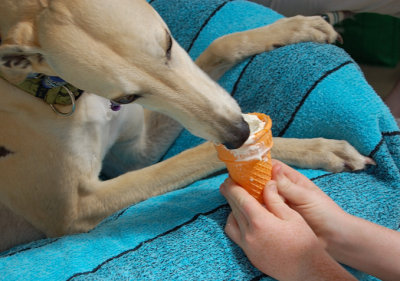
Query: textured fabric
[(309, 90)]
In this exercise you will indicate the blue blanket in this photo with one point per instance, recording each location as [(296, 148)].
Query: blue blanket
[(309, 90)]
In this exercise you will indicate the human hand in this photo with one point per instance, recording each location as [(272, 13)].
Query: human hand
[(322, 214), (275, 238), (350, 240)]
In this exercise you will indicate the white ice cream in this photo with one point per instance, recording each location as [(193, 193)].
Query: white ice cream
[(255, 125), (251, 150)]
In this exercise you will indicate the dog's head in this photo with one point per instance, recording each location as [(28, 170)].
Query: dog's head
[(121, 50)]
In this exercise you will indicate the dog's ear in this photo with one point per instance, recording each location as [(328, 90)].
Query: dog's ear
[(18, 52), (16, 62)]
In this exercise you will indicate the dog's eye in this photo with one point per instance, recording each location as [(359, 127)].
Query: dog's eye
[(126, 99), (169, 47)]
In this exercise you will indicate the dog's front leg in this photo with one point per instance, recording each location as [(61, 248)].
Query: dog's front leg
[(230, 49), (97, 199), (319, 153)]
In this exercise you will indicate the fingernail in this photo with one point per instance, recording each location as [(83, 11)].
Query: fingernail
[(276, 171)]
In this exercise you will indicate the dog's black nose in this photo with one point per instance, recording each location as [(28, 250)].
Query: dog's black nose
[(238, 135)]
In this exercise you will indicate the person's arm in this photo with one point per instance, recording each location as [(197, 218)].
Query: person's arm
[(276, 239), (350, 240), (366, 246)]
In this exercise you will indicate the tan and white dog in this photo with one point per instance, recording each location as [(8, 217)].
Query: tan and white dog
[(121, 51)]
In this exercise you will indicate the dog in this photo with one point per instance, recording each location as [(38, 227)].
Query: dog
[(121, 51)]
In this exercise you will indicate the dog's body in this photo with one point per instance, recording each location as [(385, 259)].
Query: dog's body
[(49, 164)]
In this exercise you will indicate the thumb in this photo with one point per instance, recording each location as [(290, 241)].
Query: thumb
[(274, 202)]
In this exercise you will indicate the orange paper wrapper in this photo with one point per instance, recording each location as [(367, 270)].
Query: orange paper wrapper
[(252, 169)]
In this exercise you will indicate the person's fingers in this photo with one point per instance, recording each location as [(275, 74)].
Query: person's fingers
[(295, 193), (241, 200), (229, 190), (232, 229), (293, 175), (275, 204)]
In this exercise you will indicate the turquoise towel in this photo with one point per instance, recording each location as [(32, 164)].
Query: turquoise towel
[(309, 90)]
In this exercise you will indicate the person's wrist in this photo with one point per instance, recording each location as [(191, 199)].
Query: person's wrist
[(321, 266), (337, 237), (305, 265), (311, 266)]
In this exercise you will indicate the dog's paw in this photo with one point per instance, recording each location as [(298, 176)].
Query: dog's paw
[(339, 156), (305, 29)]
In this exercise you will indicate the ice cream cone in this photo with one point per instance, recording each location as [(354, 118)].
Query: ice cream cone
[(250, 166)]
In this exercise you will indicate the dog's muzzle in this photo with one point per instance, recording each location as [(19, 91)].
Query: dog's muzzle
[(238, 135)]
